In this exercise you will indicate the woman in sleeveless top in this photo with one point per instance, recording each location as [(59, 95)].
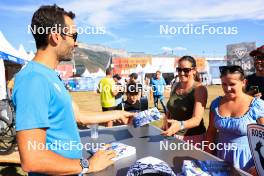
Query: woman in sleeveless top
[(229, 116), (186, 104)]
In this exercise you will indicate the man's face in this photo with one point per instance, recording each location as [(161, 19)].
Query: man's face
[(259, 65), (158, 75), (132, 98), (67, 45)]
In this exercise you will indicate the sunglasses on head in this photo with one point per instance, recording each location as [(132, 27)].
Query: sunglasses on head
[(230, 69), (74, 36), (185, 70)]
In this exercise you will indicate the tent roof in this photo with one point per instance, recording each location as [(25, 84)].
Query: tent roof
[(6, 47)]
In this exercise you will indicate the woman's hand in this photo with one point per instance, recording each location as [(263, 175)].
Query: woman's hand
[(174, 128), (253, 171), (165, 122)]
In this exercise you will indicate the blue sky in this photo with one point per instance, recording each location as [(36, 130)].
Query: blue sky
[(135, 25)]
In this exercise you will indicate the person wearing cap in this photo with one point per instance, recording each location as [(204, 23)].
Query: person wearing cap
[(255, 81)]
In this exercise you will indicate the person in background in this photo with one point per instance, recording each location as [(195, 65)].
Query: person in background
[(147, 89), (186, 104), (119, 98), (158, 84), (132, 103), (133, 78), (255, 82), (10, 86), (108, 91), (229, 116), (45, 112)]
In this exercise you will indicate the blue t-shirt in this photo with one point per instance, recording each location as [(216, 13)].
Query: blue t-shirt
[(41, 101), (158, 86)]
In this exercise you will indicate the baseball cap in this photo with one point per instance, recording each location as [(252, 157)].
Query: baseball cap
[(150, 166), (258, 53)]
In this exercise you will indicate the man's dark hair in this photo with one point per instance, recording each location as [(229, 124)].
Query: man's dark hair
[(132, 89), (46, 17), (108, 71), (133, 76), (117, 76)]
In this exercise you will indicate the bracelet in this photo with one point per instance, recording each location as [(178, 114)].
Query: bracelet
[(182, 125)]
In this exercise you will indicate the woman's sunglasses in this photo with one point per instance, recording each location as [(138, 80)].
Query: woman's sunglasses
[(230, 69), (74, 36), (185, 70)]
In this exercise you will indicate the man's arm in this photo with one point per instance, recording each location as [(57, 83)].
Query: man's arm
[(41, 160), (90, 117)]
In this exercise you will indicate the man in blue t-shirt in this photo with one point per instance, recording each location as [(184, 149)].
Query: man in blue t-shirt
[(47, 133), (158, 84)]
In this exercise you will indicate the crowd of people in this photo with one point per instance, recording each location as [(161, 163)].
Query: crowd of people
[(49, 114)]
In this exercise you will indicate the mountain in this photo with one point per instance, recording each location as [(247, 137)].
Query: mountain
[(94, 57)]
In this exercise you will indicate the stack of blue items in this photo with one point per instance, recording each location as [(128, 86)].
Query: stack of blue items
[(145, 117)]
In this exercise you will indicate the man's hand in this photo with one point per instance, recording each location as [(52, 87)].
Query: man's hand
[(127, 117), (174, 128), (101, 160)]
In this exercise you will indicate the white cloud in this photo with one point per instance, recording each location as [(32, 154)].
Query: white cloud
[(179, 48), (166, 49), (114, 12), (170, 49)]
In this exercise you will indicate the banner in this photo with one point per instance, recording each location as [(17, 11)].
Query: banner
[(238, 54), (255, 134)]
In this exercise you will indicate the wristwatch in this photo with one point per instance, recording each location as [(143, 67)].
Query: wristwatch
[(182, 125), (85, 165)]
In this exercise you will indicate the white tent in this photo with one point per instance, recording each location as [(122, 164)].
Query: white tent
[(86, 73), (6, 47), (23, 53), (100, 72), (148, 69), (2, 80), (138, 69), (164, 64), (31, 55)]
